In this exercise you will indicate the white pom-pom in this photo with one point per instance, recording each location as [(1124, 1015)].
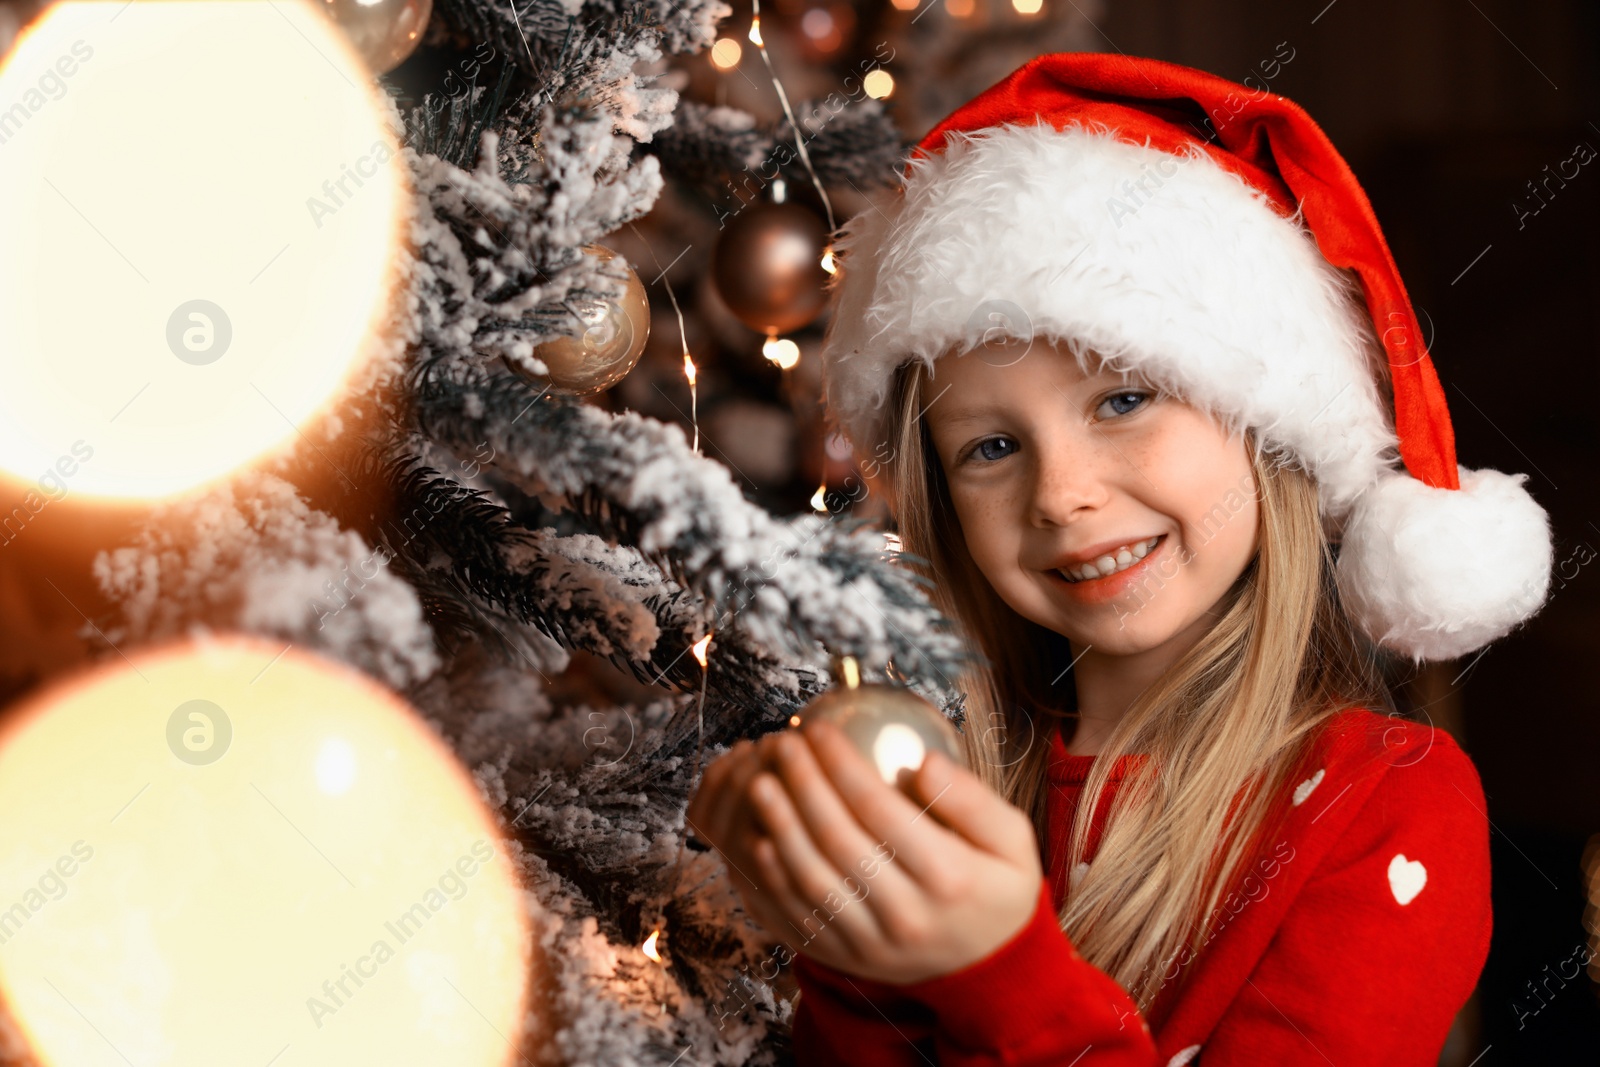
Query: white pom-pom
[(1438, 573)]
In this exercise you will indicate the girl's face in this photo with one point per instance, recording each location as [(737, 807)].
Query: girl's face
[(1050, 469)]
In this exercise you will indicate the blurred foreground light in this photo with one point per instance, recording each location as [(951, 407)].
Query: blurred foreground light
[(726, 53), (222, 852), (202, 202)]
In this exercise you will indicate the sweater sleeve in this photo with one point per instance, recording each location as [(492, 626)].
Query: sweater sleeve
[(1369, 964), (1385, 942), (1033, 1001)]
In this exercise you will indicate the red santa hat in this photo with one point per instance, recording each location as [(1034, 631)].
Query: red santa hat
[(1211, 239)]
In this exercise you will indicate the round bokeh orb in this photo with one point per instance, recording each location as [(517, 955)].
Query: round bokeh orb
[(203, 208), (216, 851)]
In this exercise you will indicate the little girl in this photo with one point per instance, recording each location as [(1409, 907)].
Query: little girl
[(1160, 422)]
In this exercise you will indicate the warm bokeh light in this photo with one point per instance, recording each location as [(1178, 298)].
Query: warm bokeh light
[(959, 8), (906, 5), (201, 211), (219, 850), (897, 745), (726, 53), (782, 351), (1028, 7), (879, 84)]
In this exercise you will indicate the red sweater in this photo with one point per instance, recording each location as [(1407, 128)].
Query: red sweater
[(1359, 947)]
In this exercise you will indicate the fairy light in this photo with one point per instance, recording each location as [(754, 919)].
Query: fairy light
[(689, 372), (726, 53), (827, 255), (649, 946), (782, 351), (880, 83), (783, 98), (849, 672), (819, 499)]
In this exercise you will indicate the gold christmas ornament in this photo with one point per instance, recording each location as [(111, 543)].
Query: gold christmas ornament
[(384, 32), (767, 266), (890, 725), (614, 336)]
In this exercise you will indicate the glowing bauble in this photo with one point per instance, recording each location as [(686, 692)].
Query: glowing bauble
[(385, 32), (183, 312), (615, 332), (767, 266), (218, 851), (890, 725)]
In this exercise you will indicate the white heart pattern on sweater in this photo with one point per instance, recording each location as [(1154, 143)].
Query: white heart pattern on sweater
[(1184, 1056), (1304, 789), (1406, 878)]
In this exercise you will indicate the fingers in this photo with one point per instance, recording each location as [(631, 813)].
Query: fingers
[(921, 845), (715, 807), (811, 890), (961, 801)]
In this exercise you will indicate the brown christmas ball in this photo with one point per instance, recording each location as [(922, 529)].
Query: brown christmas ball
[(890, 725), (384, 32), (767, 266), (615, 332)]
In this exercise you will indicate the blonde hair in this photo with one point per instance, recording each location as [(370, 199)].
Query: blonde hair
[(1234, 712)]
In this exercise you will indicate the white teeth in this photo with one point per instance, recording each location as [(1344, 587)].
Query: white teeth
[(1111, 563)]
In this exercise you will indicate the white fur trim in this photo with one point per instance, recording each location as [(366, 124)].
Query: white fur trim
[(1438, 573), (1195, 282)]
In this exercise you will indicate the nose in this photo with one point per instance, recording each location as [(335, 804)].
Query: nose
[(1066, 483)]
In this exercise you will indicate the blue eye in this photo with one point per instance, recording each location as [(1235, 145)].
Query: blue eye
[(981, 450), (1138, 394)]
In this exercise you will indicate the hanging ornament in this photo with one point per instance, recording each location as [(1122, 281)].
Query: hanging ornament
[(768, 269), (614, 335), (384, 32), (890, 725)]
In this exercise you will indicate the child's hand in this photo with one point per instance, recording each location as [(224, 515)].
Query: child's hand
[(849, 870)]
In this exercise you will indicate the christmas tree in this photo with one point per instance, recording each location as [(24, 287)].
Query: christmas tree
[(586, 606)]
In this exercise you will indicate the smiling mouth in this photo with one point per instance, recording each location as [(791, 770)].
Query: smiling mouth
[(1095, 574)]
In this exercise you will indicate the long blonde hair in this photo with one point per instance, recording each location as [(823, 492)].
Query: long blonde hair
[(1234, 713)]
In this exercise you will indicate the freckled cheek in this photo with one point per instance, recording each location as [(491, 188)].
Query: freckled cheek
[(989, 525)]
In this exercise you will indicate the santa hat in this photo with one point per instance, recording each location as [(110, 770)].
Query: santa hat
[(1202, 235)]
